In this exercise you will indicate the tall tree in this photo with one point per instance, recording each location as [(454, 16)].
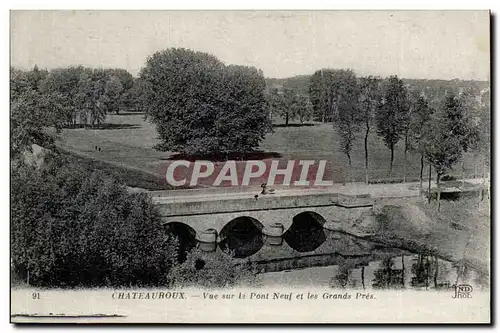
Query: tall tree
[(113, 90), (484, 130), (32, 114), (321, 86), (392, 115), (289, 108), (295, 105), (304, 108), (276, 102), (418, 127), (92, 97), (201, 106), (369, 99), (66, 83), (126, 80), (451, 133)]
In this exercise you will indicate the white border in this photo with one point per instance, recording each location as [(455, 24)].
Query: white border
[(185, 4)]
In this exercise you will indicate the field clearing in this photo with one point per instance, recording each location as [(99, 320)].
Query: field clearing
[(128, 142)]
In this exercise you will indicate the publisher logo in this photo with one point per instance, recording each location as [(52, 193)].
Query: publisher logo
[(463, 291)]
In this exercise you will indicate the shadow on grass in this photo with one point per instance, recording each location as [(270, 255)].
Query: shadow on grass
[(294, 125), (106, 126), (254, 155), (129, 113)]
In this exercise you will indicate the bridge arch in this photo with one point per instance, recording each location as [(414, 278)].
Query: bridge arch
[(186, 237), (242, 236), (306, 232)]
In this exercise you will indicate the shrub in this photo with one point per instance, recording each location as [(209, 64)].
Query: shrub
[(73, 228), (209, 270)]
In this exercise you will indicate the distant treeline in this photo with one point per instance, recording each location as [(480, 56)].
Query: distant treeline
[(433, 89)]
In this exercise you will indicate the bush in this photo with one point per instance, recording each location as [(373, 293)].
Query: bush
[(73, 228), (209, 270)]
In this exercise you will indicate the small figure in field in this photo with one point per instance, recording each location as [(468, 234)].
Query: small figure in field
[(256, 197), (95, 148), (99, 148)]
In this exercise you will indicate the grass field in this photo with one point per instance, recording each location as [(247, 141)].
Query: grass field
[(127, 146)]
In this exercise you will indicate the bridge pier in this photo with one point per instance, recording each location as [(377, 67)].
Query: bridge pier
[(208, 240), (274, 233)]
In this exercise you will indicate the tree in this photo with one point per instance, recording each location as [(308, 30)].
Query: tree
[(369, 99), (92, 97), (113, 94), (32, 116), (304, 108), (126, 80), (392, 115), (343, 97), (418, 127), (293, 104), (65, 82), (289, 109), (387, 276), (276, 103), (138, 95), (447, 138), (200, 106), (325, 91), (465, 118), (72, 227), (483, 145)]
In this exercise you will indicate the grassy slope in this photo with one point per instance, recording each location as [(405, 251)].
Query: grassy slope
[(130, 144)]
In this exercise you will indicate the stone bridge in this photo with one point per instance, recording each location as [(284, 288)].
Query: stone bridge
[(209, 219)]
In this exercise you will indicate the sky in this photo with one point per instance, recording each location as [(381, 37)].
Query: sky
[(410, 44)]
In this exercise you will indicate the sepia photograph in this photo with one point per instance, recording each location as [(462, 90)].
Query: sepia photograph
[(250, 166)]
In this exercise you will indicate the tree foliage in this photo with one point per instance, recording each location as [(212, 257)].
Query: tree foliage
[(369, 99), (35, 118), (342, 101), (392, 115), (201, 106), (74, 228), (209, 270)]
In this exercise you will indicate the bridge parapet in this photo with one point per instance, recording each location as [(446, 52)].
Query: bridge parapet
[(249, 203), (268, 202)]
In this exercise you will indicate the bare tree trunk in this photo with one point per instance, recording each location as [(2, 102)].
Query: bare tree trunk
[(366, 151), (286, 118), (430, 177), (427, 271), (438, 176), (350, 167), (421, 173), (403, 270), (462, 164), (436, 266), (363, 276), (392, 160), (404, 161)]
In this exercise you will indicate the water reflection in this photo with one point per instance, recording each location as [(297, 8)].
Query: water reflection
[(345, 261), (306, 233), (242, 237)]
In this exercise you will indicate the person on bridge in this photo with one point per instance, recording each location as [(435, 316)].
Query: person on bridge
[(265, 190)]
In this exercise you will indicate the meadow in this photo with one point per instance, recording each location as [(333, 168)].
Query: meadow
[(125, 148)]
